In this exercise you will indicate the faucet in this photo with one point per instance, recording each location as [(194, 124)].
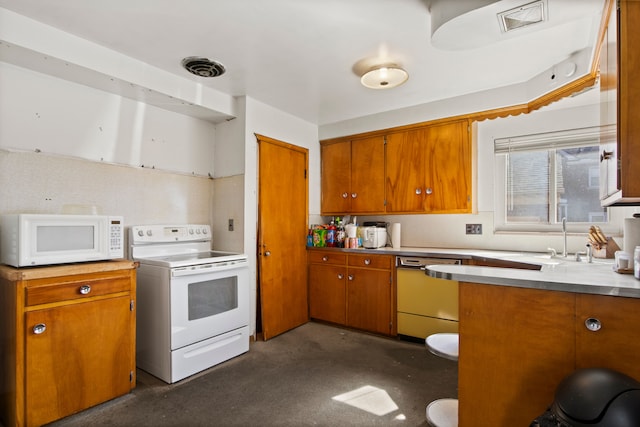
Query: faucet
[(564, 232), (552, 252)]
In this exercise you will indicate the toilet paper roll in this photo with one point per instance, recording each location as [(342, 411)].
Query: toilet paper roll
[(631, 237), (395, 235)]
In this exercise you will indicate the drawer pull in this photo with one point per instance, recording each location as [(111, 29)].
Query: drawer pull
[(85, 289), (340, 276), (367, 261), (593, 324), (350, 277), (428, 190), (345, 195), (325, 258), (39, 328)]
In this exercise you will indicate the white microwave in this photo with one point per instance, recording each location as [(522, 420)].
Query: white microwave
[(42, 239)]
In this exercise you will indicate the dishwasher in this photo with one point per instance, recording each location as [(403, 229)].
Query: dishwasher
[(426, 305)]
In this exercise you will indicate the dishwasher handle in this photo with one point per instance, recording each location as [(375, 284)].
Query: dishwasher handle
[(421, 263)]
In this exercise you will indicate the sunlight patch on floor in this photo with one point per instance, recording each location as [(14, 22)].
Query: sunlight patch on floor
[(371, 399)]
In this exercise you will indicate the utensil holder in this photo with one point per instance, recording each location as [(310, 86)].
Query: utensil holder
[(607, 250)]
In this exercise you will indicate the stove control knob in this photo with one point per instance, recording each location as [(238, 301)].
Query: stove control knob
[(191, 231), (204, 231), (140, 233), (149, 232), (197, 231)]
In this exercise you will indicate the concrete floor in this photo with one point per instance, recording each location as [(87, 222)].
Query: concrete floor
[(314, 375)]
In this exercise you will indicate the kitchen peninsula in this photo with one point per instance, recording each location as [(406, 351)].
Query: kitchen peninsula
[(523, 331)]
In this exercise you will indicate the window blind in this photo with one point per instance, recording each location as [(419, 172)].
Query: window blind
[(556, 140)]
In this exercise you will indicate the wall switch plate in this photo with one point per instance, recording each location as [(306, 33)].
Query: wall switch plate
[(474, 228), (230, 224)]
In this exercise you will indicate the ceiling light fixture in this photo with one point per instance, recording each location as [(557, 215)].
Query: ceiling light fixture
[(384, 77)]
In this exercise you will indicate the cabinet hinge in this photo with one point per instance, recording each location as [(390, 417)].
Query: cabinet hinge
[(130, 376), (305, 174), (384, 138), (131, 305)]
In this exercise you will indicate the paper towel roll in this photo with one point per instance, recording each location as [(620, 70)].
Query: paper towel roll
[(395, 235), (631, 237)]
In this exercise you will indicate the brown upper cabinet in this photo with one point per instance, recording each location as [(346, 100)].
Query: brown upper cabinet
[(620, 88), (422, 169), (429, 169), (353, 176)]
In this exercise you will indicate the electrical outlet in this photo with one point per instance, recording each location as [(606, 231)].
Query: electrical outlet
[(230, 224), (474, 228)]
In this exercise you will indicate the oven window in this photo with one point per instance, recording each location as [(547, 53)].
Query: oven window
[(212, 297)]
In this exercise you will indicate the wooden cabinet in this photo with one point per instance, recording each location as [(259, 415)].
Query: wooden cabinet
[(353, 176), (620, 88), (517, 344), (68, 335), (429, 169), (327, 286), (356, 290)]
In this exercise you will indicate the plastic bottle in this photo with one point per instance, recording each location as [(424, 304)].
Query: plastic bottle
[(310, 237), (331, 234), (340, 234)]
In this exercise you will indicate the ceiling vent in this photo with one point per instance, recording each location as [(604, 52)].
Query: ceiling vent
[(522, 16), (203, 67)]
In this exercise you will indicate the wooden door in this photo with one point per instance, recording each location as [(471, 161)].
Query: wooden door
[(367, 175), (448, 168), (616, 344), (336, 178), (82, 358), (405, 171), (282, 229)]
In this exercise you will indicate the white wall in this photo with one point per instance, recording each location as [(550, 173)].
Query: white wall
[(265, 120)]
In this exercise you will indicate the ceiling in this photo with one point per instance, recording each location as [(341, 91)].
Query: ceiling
[(304, 57)]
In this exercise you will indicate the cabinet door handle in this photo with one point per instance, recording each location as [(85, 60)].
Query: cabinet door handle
[(39, 328), (354, 195), (428, 190), (606, 155), (325, 258), (418, 191), (340, 276), (85, 289), (345, 195), (593, 324), (350, 277), (367, 261)]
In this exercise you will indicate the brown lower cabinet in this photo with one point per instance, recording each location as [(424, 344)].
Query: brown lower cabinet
[(68, 339), (517, 344), (355, 290)]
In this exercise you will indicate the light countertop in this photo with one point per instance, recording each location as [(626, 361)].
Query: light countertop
[(556, 273)]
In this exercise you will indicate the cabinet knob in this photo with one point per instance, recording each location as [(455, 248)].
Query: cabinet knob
[(418, 191), (350, 277), (39, 328), (367, 261), (345, 195), (428, 190), (325, 258), (340, 276), (593, 324), (85, 289), (354, 195), (606, 155)]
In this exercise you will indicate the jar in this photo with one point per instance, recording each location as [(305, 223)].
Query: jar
[(636, 262)]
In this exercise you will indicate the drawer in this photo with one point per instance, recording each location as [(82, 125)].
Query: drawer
[(327, 257), (371, 261), (75, 288)]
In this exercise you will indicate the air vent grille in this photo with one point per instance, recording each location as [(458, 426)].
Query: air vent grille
[(522, 16), (203, 67)]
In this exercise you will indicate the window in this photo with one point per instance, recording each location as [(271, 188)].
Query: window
[(547, 177)]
